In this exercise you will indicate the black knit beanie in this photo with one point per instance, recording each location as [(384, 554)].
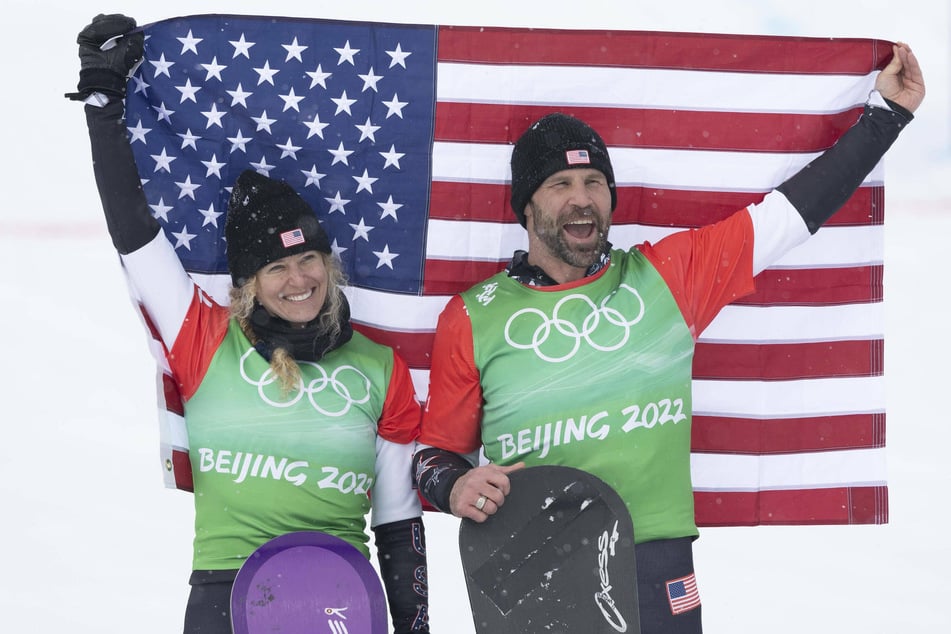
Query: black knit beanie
[(267, 221), (554, 143)]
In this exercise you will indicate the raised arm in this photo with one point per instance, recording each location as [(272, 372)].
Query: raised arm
[(902, 81), (806, 200), (108, 50)]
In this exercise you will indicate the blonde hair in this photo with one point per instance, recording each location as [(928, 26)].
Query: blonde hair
[(329, 320)]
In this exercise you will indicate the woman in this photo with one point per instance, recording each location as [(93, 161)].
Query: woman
[(292, 417)]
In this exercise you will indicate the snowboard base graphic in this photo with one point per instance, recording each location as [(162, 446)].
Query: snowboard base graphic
[(557, 558), (308, 582)]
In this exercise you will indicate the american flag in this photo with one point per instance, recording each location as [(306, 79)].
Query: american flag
[(682, 594), (399, 136), (577, 157), (292, 237)]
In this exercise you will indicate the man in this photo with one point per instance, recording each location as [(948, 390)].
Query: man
[(579, 354)]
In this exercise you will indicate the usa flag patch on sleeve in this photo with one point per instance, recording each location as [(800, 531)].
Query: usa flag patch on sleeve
[(683, 594)]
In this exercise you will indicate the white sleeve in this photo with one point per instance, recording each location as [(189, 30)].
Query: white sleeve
[(158, 280), (777, 228), (393, 497)]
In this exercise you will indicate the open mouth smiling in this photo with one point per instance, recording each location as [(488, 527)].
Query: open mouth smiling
[(299, 298), (581, 228)]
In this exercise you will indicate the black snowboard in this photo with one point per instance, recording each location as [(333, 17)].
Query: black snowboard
[(558, 558)]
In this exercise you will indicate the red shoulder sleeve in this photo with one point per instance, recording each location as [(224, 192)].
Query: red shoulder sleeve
[(199, 337), (453, 409), (706, 268), (399, 422)]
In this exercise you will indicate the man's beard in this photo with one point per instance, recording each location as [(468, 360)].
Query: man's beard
[(550, 232)]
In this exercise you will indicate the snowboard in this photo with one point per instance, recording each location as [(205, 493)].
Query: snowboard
[(308, 582), (558, 558)]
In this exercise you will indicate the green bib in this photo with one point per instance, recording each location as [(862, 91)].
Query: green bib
[(267, 463), (597, 377)]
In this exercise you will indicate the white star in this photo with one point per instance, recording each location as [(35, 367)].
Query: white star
[(189, 139), (364, 182), (313, 176), (386, 258), (161, 210), (187, 188), (291, 100), (263, 122), (238, 142), (213, 69), (367, 130), (162, 66), (163, 161), (213, 116), (340, 155), (395, 106), (188, 91), (239, 95), (315, 127), (346, 54), (211, 216), (370, 80), (262, 167), (266, 73), (189, 43), (140, 85), (318, 77), (294, 50), (138, 133), (289, 150), (241, 47), (163, 112), (337, 204), (343, 103), (389, 209), (398, 57), (361, 230), (214, 167), (337, 249), (183, 238), (392, 157)]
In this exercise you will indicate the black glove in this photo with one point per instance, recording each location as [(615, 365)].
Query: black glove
[(106, 71)]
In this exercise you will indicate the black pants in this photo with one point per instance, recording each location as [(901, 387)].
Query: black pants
[(209, 602), (658, 563)]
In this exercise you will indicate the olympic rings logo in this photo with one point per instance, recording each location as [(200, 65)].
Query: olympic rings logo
[(347, 387), (557, 338)]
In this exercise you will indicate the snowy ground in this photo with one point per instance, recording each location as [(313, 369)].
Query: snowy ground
[(95, 544)]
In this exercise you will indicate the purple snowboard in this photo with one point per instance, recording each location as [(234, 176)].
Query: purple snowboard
[(308, 582)]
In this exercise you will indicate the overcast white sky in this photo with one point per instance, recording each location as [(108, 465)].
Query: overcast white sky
[(96, 544)]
